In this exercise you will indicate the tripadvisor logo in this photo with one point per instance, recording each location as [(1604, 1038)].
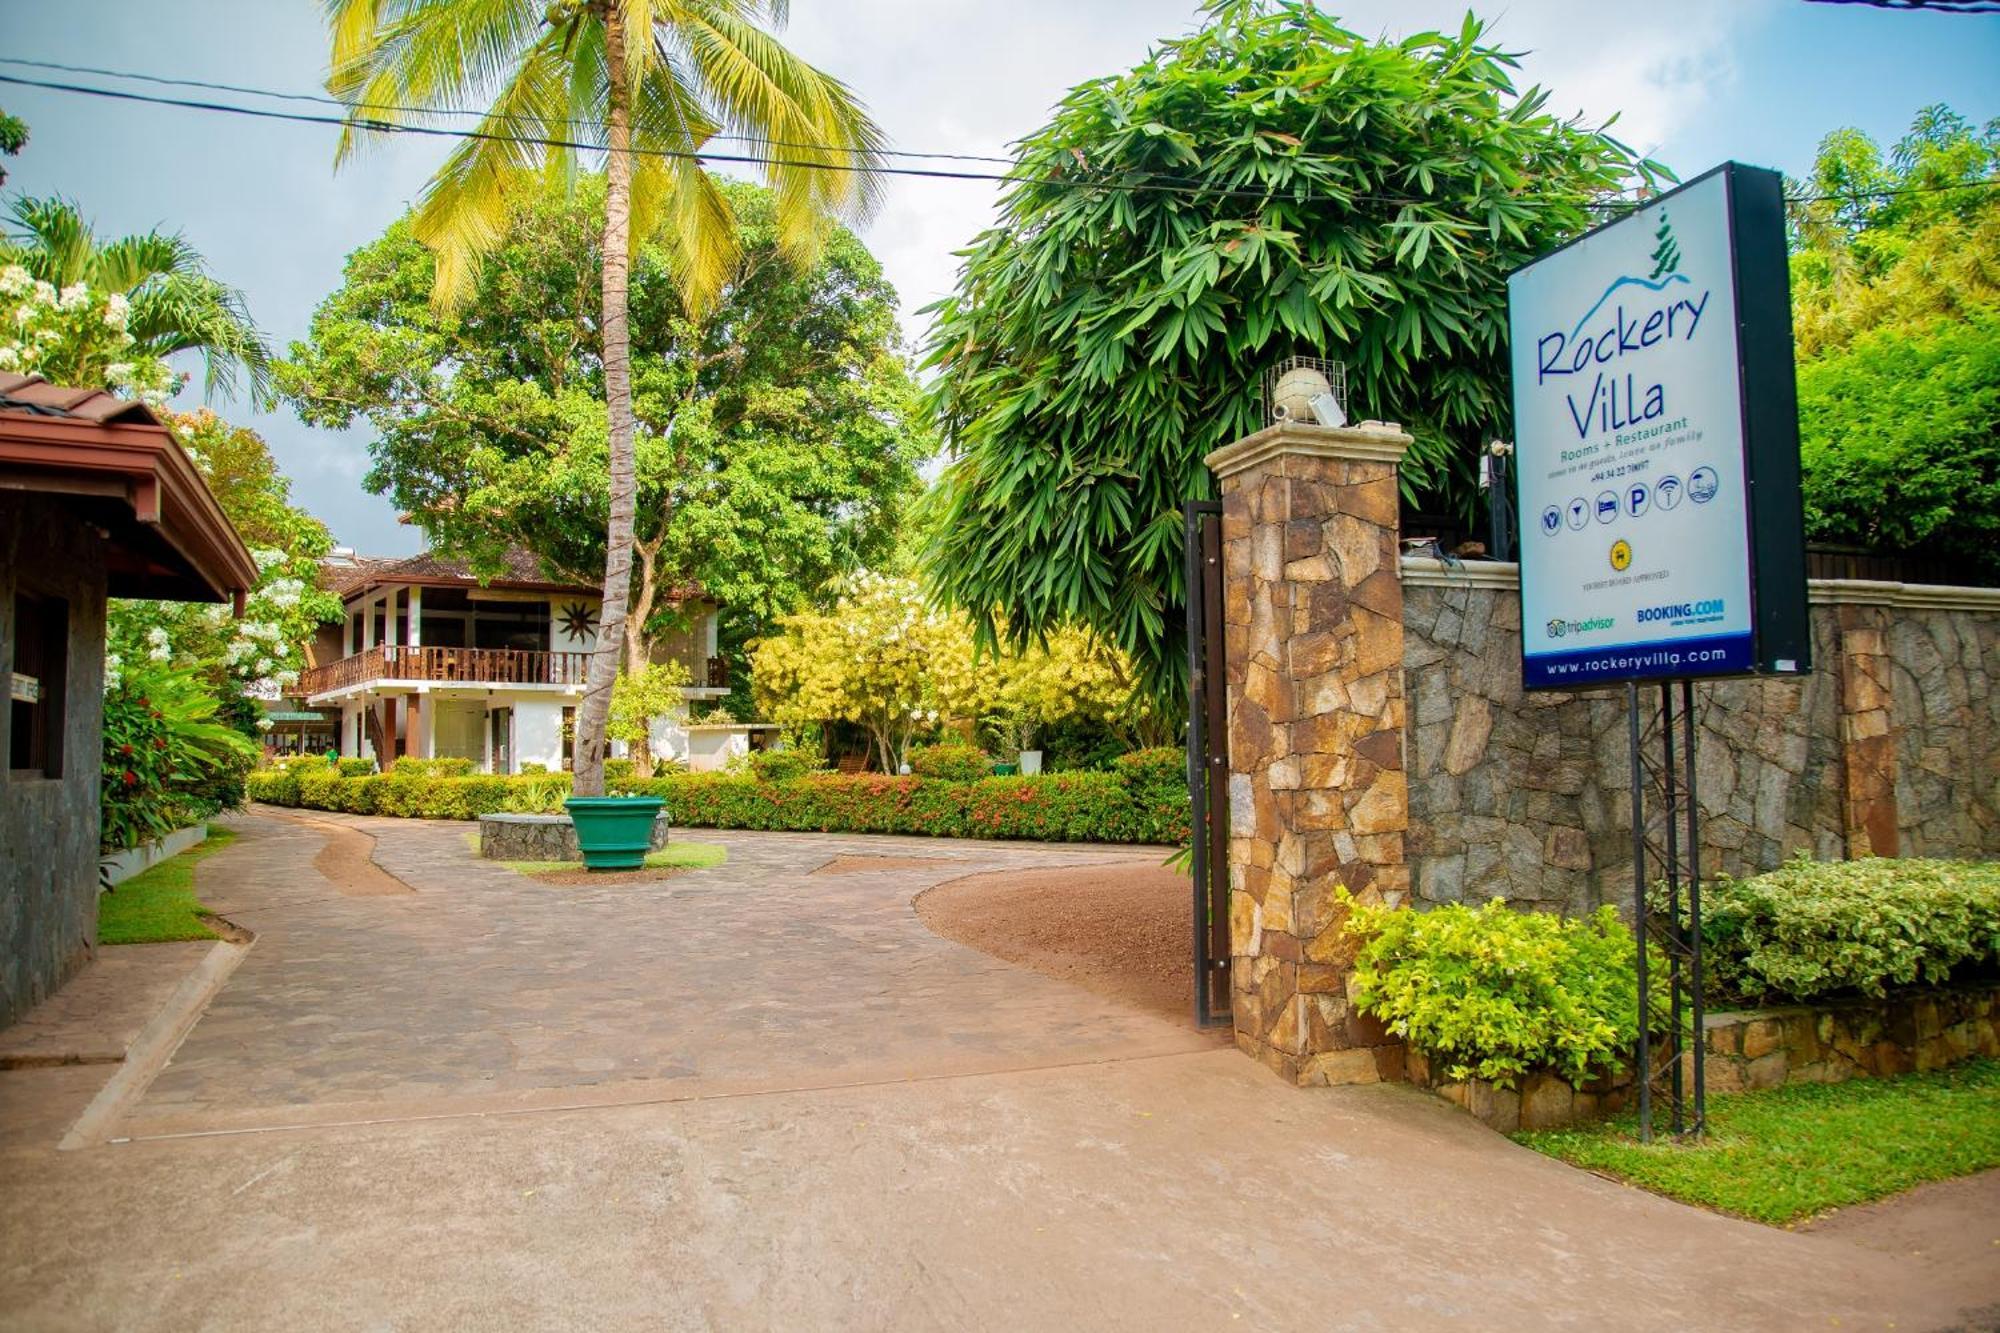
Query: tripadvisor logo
[(1560, 628), (1659, 308)]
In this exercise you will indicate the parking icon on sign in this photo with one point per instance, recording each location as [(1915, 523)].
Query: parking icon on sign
[(1636, 499)]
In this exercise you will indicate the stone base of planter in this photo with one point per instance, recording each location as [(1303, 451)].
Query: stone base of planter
[(1542, 1100), (540, 837)]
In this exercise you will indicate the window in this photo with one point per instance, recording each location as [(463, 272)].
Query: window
[(36, 689)]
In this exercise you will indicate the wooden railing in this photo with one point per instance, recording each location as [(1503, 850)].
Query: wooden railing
[(470, 666)]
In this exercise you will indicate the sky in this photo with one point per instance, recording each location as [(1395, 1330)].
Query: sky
[(1693, 82)]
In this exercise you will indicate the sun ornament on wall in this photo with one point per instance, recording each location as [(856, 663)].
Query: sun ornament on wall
[(579, 622)]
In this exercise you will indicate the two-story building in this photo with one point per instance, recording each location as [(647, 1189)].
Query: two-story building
[(429, 661)]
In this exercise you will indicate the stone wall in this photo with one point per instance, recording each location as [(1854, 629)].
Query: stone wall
[(48, 826), (1891, 746), (1755, 1049), (1903, 1034)]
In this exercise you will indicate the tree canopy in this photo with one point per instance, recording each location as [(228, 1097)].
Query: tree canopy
[(1896, 313), (1273, 184), (778, 434)]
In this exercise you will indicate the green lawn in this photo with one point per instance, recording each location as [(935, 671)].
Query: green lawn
[(1789, 1153), (159, 903), (674, 856)]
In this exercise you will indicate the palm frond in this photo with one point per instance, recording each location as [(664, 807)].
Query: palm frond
[(51, 238), (830, 145), (392, 55), (463, 212)]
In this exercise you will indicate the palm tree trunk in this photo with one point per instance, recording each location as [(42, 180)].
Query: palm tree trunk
[(590, 719)]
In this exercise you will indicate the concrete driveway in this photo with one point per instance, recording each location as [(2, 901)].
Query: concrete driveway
[(760, 1097)]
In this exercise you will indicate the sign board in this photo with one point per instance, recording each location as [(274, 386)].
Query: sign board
[(24, 689), (1656, 444)]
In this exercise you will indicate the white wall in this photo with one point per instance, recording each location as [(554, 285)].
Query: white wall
[(559, 639), (538, 730)]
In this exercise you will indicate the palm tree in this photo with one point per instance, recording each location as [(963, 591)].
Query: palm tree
[(176, 305), (646, 83)]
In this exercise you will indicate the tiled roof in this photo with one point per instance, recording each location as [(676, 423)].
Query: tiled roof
[(31, 395), (519, 568)]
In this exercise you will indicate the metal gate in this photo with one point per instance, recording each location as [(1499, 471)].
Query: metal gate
[(1208, 761)]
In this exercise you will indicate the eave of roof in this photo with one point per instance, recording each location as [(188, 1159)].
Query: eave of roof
[(115, 456)]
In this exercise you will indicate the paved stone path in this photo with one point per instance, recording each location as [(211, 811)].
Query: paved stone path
[(483, 983), (94, 1018), (762, 1098)]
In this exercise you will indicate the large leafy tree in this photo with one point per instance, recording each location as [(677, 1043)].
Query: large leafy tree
[(1272, 185), (168, 301), (778, 429), (260, 654), (1896, 313), (646, 84)]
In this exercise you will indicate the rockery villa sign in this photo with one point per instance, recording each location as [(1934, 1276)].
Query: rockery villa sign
[(1657, 438)]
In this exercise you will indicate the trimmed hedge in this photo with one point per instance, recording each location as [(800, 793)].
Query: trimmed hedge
[(952, 763), (1813, 929), (1131, 805)]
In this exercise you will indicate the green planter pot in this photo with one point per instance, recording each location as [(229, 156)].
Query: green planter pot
[(614, 832)]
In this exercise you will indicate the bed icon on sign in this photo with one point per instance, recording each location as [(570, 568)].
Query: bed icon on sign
[(1607, 506), (1552, 520), (1636, 499)]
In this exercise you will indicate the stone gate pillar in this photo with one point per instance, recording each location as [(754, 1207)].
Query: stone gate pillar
[(1313, 616)]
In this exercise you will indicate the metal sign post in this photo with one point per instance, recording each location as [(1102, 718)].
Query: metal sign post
[(1666, 909)]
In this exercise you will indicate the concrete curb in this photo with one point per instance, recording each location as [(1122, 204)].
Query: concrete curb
[(154, 1046)]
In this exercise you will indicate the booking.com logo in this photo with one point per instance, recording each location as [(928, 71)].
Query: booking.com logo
[(1680, 610)]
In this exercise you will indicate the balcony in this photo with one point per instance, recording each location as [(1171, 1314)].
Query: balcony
[(488, 667), (462, 666)]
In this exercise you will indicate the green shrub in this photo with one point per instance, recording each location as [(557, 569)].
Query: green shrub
[(166, 758), (533, 768), (1161, 772), (275, 786), (780, 765), (617, 770), (537, 793), (442, 767), (1494, 993), (951, 763), (355, 768), (1064, 807), (1811, 929)]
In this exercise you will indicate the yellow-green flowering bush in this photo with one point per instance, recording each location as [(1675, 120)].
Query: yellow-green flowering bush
[(1491, 993), (1810, 929)]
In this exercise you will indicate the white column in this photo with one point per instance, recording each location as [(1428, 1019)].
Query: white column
[(367, 623), (389, 634), (416, 617), (346, 631)]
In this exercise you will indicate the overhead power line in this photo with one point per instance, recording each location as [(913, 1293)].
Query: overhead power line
[(396, 109), (1156, 183)]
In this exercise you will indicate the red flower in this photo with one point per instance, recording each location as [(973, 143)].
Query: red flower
[(131, 778), (125, 748), (159, 742)]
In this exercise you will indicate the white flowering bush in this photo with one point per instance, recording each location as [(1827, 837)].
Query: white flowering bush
[(75, 336)]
